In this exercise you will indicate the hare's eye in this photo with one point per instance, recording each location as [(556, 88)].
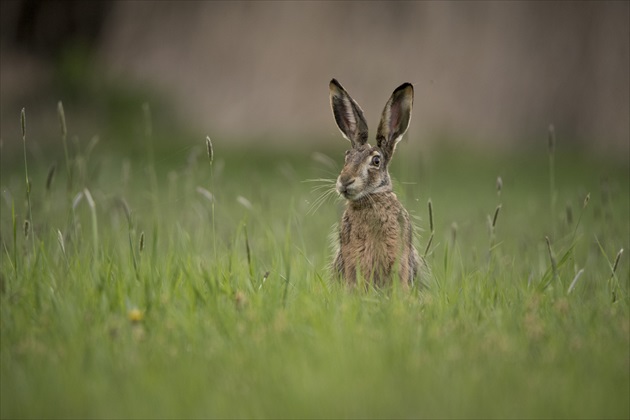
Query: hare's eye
[(376, 160)]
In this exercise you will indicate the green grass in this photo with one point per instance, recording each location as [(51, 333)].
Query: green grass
[(496, 334)]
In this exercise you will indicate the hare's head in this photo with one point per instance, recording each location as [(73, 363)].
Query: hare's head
[(365, 169)]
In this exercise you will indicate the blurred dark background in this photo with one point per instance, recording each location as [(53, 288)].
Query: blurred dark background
[(487, 74)]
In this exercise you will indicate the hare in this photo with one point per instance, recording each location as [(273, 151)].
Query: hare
[(376, 233)]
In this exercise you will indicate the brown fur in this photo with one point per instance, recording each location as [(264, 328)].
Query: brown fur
[(376, 234)]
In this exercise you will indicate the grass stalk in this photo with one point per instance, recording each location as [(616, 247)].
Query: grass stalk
[(62, 245), (499, 186), (125, 207), (575, 280), (551, 147), (552, 259), (614, 281), (64, 139), (249, 255), (73, 214), (28, 181), (287, 262), (141, 243), (148, 134), (431, 226), (429, 242), (577, 224), (92, 205), (50, 177), (492, 223), (15, 245), (210, 151)]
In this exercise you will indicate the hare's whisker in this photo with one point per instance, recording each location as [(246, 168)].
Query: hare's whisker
[(321, 199), (320, 180), (321, 187)]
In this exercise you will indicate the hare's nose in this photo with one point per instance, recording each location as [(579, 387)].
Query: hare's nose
[(343, 183), (346, 179)]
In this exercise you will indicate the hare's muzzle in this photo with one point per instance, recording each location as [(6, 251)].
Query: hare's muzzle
[(344, 186)]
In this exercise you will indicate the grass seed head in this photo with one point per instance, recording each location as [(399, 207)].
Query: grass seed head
[(586, 200), (207, 194), (244, 202), (88, 197), (61, 241), (27, 228), (77, 200), (50, 176), (141, 241), (430, 204), (23, 123), (575, 280), (264, 279), (62, 119), (499, 185), (209, 149), (616, 264)]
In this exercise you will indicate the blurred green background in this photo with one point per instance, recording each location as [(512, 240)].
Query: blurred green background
[(488, 75)]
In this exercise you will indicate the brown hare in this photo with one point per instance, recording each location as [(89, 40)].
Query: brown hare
[(376, 233)]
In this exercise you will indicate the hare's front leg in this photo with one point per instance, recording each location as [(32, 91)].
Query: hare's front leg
[(345, 272), (338, 264), (409, 256), (345, 264)]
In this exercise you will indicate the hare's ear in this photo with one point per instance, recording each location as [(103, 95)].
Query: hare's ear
[(395, 119), (348, 115)]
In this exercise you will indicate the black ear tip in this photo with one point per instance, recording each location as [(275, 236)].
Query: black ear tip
[(405, 86), (335, 83)]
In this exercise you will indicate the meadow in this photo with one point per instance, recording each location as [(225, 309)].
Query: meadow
[(169, 283)]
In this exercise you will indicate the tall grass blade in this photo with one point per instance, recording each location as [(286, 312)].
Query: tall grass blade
[(50, 176), (575, 280), (92, 205), (210, 150), (15, 245), (28, 181), (64, 139), (430, 205), (249, 254), (552, 259), (551, 147)]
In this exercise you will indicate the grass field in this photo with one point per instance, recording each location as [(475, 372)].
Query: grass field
[(167, 286)]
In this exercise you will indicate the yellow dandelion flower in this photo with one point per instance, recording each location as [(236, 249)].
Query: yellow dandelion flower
[(135, 315)]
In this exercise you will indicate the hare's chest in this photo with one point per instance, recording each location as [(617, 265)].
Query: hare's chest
[(374, 237)]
